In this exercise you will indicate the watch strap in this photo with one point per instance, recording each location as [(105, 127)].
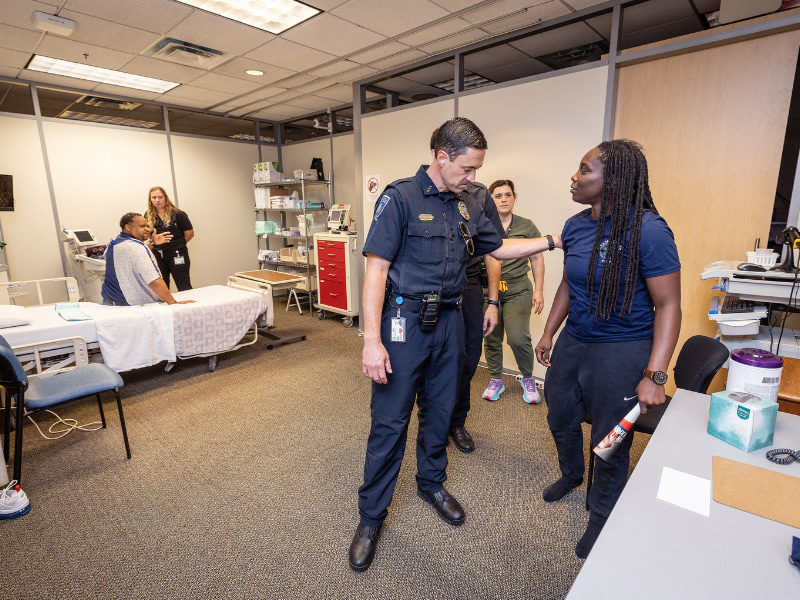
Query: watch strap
[(494, 303), (551, 245), (658, 377)]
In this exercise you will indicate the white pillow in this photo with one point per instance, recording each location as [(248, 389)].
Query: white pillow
[(12, 316)]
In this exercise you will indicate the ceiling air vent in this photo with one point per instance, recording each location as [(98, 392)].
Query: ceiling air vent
[(186, 53)]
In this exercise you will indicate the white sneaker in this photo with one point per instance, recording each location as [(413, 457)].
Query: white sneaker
[(494, 390), (13, 502)]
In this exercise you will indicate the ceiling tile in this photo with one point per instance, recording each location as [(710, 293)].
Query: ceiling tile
[(454, 41), (8, 71), (310, 102), (151, 15), (333, 35), (456, 5), (190, 92), (342, 93), (223, 83), (18, 13), (16, 38), (317, 84), (108, 34), (285, 96), (503, 8), (12, 58), (354, 74), (491, 58), (518, 70), (382, 51), (333, 69), (433, 74), (656, 13), (390, 17), (219, 33), (279, 112), (161, 69), (531, 16), (284, 52), (581, 4), (400, 59), (297, 81), (436, 32), (238, 66), (58, 47), (554, 40)]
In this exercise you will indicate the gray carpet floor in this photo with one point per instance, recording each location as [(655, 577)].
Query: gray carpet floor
[(243, 484)]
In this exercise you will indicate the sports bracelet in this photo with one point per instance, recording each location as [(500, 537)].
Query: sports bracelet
[(494, 303), (551, 245)]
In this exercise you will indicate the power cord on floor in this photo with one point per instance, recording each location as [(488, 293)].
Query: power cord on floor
[(69, 424)]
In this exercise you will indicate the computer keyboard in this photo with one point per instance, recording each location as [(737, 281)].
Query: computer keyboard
[(734, 304)]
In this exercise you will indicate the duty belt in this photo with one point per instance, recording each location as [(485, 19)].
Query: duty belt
[(412, 304)]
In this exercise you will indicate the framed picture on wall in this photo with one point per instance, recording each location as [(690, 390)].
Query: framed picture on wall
[(6, 192)]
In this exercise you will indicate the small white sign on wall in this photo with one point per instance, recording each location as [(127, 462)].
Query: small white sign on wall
[(373, 183)]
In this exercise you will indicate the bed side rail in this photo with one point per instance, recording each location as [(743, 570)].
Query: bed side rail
[(39, 292), (44, 359)]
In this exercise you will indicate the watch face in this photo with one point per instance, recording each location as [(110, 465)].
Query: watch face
[(659, 377)]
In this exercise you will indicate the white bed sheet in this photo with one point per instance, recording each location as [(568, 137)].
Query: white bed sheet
[(131, 337)]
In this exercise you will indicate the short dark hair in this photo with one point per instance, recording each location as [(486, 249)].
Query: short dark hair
[(458, 134), (433, 138), (127, 218)]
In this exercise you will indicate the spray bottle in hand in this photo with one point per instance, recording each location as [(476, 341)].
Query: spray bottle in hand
[(611, 442)]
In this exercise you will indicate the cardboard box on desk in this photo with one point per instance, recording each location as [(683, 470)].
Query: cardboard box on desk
[(741, 419)]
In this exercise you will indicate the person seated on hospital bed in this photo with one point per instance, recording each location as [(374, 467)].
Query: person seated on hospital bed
[(132, 277)]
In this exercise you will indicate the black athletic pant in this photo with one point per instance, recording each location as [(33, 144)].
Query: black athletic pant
[(175, 263)]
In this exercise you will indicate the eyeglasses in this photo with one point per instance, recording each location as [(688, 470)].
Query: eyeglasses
[(467, 238)]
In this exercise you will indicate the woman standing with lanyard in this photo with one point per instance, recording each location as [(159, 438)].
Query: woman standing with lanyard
[(172, 256), (517, 299), (621, 298)]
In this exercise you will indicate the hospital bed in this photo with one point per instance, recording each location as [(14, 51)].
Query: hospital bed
[(130, 337)]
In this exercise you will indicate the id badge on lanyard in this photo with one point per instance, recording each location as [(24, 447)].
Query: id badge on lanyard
[(399, 324)]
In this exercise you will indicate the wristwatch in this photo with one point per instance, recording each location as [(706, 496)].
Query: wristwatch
[(658, 377), (494, 303), (551, 245)]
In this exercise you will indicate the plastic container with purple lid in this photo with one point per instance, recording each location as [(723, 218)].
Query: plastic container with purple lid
[(755, 371)]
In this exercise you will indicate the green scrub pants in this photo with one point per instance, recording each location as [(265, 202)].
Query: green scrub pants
[(513, 321)]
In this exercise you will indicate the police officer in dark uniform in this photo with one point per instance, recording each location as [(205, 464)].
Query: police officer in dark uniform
[(424, 230)]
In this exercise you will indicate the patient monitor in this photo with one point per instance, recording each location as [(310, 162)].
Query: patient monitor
[(84, 261), (339, 217)]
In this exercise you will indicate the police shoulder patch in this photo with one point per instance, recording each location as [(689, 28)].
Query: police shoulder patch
[(381, 205)]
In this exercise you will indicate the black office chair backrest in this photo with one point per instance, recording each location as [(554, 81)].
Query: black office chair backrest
[(11, 371), (699, 360)]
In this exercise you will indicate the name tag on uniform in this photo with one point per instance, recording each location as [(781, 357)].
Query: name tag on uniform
[(399, 329), (179, 260)]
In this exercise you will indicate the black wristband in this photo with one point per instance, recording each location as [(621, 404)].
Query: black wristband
[(551, 245), (494, 303)]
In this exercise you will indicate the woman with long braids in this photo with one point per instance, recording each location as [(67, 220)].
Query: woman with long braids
[(620, 296)]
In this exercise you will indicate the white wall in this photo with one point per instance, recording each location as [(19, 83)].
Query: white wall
[(215, 188), (30, 230), (537, 133)]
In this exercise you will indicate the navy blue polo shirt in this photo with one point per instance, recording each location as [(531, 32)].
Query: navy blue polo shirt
[(417, 229)]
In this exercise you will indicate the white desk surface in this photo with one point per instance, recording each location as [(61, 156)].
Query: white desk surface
[(651, 549)]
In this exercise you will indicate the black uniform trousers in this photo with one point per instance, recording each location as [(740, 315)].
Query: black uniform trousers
[(432, 362), (593, 377), (167, 266), (472, 309)]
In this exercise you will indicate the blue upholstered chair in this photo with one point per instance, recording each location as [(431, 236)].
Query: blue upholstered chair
[(39, 393)]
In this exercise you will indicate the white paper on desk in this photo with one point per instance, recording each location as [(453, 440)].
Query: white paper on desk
[(684, 490)]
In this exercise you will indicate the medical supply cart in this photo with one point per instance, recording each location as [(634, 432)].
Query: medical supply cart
[(287, 239), (337, 273)]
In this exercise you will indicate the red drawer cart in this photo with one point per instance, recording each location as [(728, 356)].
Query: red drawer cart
[(337, 275)]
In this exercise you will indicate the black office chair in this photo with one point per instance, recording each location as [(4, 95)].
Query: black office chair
[(40, 393), (698, 361)]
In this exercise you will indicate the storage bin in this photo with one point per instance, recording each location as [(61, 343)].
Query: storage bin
[(764, 257)]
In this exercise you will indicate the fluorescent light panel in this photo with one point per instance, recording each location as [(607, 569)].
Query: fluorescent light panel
[(56, 66), (275, 16)]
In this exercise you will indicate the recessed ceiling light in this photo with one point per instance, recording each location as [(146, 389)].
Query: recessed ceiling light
[(274, 16), (56, 66), (255, 72)]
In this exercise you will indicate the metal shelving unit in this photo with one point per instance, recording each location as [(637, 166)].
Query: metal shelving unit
[(309, 268)]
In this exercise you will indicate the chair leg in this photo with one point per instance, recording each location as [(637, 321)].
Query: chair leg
[(122, 422), (18, 435), (590, 477), (102, 414)]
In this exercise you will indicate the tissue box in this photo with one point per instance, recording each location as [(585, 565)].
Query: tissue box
[(305, 174), (743, 420)]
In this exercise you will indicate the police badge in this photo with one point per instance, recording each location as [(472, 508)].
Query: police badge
[(462, 208)]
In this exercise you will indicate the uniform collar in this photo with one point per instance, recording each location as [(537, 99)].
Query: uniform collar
[(429, 188)]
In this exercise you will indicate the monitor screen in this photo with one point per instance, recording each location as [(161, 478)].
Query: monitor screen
[(84, 235), (335, 218)]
